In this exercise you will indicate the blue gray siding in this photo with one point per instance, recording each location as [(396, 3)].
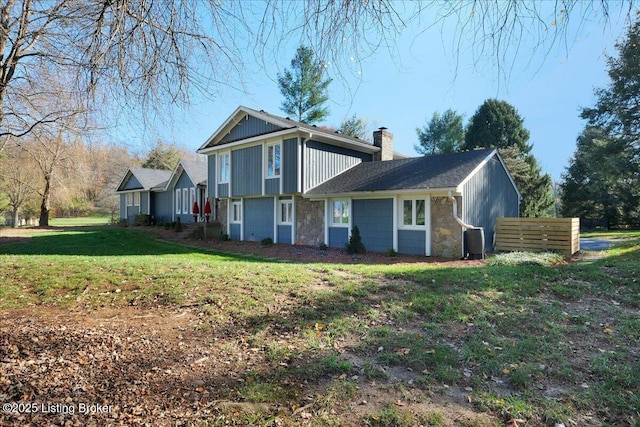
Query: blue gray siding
[(272, 186), (184, 182), (338, 236), (324, 161), (223, 190), (145, 202), (211, 175), (487, 195), (234, 231), (412, 242), (247, 127), (258, 218), (123, 206), (290, 166), (284, 234), (246, 171), (162, 206), (374, 219), (132, 183)]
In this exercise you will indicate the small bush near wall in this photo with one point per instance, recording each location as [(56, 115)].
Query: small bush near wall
[(355, 245)]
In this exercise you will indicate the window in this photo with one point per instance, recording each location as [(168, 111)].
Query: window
[(236, 211), (136, 198), (285, 214), (224, 167), (273, 160), (178, 201), (129, 199), (340, 212), (185, 200), (192, 198), (413, 213)]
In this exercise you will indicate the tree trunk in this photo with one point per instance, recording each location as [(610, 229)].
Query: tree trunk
[(16, 217), (46, 203)]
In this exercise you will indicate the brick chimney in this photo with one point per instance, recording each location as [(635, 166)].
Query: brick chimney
[(384, 140)]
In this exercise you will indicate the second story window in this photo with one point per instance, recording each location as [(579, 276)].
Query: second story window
[(225, 167), (273, 160)]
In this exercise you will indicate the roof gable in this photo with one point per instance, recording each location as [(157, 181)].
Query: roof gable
[(143, 179), (442, 171), (196, 171), (246, 123)]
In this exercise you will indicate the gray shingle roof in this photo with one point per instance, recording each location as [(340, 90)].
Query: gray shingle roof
[(417, 173), (196, 169), (150, 178)]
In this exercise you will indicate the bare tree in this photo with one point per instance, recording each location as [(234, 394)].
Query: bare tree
[(15, 180), (146, 54)]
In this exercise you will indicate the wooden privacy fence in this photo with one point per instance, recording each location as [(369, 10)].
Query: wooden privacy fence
[(538, 234)]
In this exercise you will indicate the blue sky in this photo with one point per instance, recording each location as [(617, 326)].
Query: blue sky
[(401, 92)]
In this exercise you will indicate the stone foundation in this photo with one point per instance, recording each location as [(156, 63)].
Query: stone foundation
[(446, 233), (309, 222), (222, 214)]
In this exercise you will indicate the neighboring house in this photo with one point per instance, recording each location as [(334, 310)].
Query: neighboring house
[(162, 194), (273, 177)]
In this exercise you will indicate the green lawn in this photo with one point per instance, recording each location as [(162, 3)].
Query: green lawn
[(543, 341), (80, 221)]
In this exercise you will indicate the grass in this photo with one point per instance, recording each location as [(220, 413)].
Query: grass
[(532, 337), (80, 221)]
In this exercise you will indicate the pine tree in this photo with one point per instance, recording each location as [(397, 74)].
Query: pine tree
[(304, 88), (498, 124), (443, 134), (615, 154)]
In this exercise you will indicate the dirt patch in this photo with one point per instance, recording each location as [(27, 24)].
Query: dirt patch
[(161, 367)]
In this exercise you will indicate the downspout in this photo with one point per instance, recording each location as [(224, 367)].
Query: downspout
[(465, 226), (455, 213)]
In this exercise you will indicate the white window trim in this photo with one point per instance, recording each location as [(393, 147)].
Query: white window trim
[(266, 160), (192, 199), (185, 200), (221, 179), (413, 225), (178, 201), (282, 203), (232, 203), (331, 217)]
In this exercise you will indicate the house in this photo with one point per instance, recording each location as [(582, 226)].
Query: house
[(274, 177), (163, 195)]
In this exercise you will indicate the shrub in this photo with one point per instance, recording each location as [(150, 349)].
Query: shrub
[(224, 237), (355, 245), (267, 241), (392, 252), (323, 246), (178, 227)]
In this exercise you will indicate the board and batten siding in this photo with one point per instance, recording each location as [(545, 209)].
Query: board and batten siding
[(258, 218), (162, 206), (284, 233), (272, 186), (324, 161), (132, 184), (212, 179), (246, 171), (290, 166), (487, 195), (338, 237), (145, 203), (247, 127), (374, 219)]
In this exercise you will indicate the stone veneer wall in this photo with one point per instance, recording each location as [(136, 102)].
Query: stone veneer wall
[(446, 233), (309, 222), (222, 214)]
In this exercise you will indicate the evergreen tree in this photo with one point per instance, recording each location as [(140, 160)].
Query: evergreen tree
[(355, 127), (617, 116), (443, 134), (304, 88), (497, 124), (162, 156)]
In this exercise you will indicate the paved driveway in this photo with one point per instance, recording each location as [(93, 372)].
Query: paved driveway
[(594, 244)]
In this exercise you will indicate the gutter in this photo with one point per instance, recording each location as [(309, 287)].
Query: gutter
[(455, 214)]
